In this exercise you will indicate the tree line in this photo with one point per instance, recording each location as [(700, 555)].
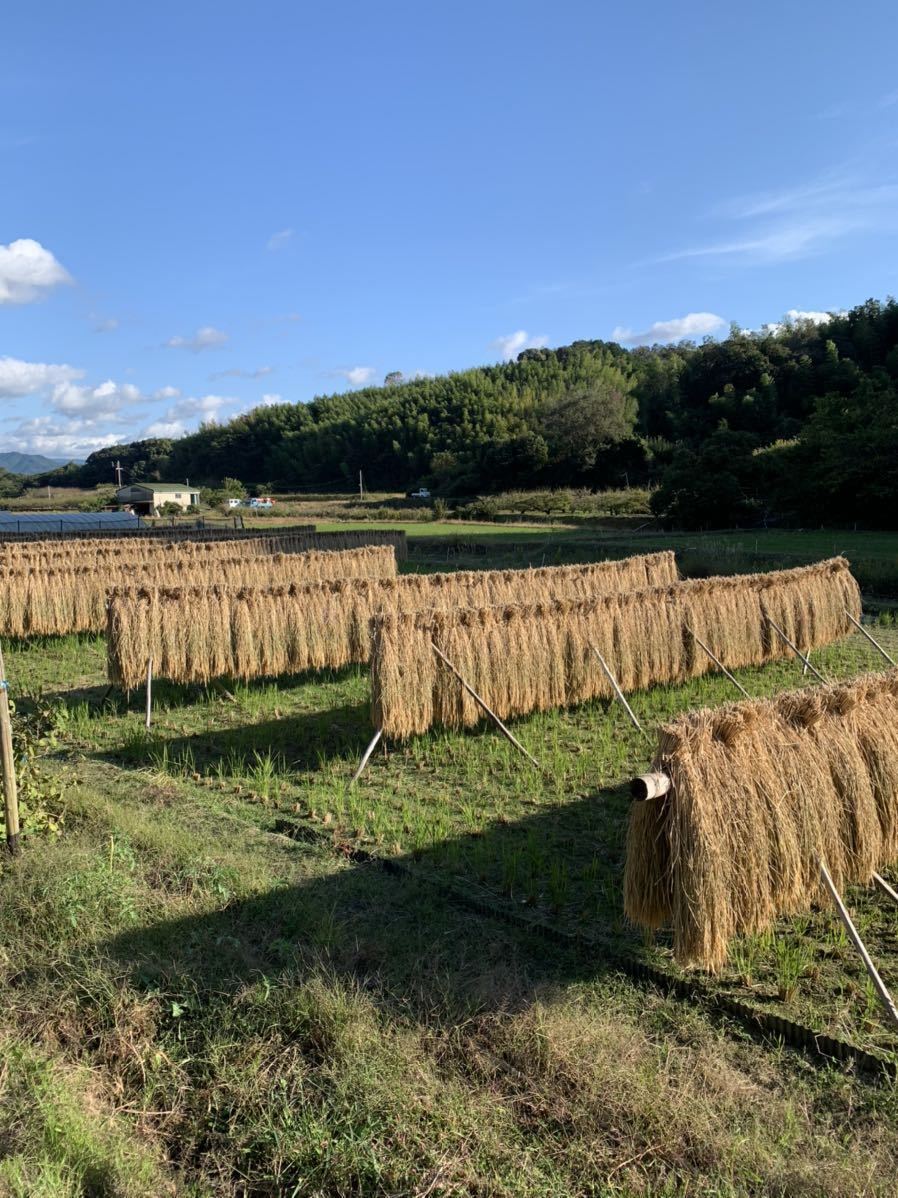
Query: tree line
[(795, 423)]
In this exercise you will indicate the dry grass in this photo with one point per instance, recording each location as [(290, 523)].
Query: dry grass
[(203, 634), (535, 657), (41, 601), (761, 791)]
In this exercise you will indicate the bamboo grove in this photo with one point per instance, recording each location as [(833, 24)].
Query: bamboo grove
[(761, 791), (245, 633)]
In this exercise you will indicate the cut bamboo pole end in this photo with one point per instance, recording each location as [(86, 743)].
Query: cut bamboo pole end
[(878, 984), (650, 786)]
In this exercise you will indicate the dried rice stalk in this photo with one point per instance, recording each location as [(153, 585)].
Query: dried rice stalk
[(538, 656), (761, 790), (59, 601), (56, 554), (322, 624)]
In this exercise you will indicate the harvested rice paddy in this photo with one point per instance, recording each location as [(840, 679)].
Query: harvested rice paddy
[(462, 808)]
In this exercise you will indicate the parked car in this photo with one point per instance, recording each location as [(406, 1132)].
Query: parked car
[(421, 493)]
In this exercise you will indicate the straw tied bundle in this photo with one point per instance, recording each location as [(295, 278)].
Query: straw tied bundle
[(59, 601), (535, 657), (760, 792), (199, 635)]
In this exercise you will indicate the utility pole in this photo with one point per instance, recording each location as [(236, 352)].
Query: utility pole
[(118, 473), (361, 489)]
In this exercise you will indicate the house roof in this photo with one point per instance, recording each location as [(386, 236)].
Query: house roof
[(159, 487)]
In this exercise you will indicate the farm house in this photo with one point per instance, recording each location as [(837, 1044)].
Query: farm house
[(145, 499)]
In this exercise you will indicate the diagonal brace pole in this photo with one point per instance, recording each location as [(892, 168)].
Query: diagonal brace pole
[(619, 692), (482, 703), (795, 649)]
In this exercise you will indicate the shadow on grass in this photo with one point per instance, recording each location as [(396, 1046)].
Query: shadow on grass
[(104, 699), (302, 741), (419, 943)]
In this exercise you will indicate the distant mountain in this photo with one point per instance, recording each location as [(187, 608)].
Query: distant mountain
[(30, 463)]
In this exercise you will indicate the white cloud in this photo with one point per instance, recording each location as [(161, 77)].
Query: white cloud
[(104, 400), (357, 376), (19, 378), (270, 399), (207, 337), (59, 439), (279, 241), (797, 316), (693, 324), (106, 324), (28, 272), (164, 428), (512, 344), (188, 414), (799, 221), (166, 393), (237, 372)]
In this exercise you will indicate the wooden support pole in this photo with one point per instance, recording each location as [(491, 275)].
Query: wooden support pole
[(874, 643), (650, 786), (10, 793), (366, 755), (885, 887), (878, 984), (738, 685), (619, 692), (795, 649), (482, 703), (149, 692)]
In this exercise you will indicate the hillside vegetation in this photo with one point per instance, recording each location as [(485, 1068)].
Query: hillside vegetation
[(798, 422)]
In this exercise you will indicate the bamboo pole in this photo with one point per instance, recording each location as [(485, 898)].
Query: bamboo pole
[(619, 692), (794, 648), (482, 703), (738, 685), (885, 887), (366, 755), (873, 642), (650, 786), (878, 984), (10, 793), (149, 692)]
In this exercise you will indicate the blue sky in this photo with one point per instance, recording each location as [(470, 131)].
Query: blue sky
[(204, 206)]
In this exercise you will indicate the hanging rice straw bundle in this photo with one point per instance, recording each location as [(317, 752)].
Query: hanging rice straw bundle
[(535, 657), (55, 602), (314, 625), (45, 555), (761, 790)]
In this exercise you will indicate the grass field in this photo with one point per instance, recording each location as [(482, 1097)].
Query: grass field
[(209, 990)]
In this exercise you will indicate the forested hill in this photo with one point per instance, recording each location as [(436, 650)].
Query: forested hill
[(800, 422)]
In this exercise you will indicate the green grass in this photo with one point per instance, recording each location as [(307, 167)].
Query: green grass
[(203, 994)]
